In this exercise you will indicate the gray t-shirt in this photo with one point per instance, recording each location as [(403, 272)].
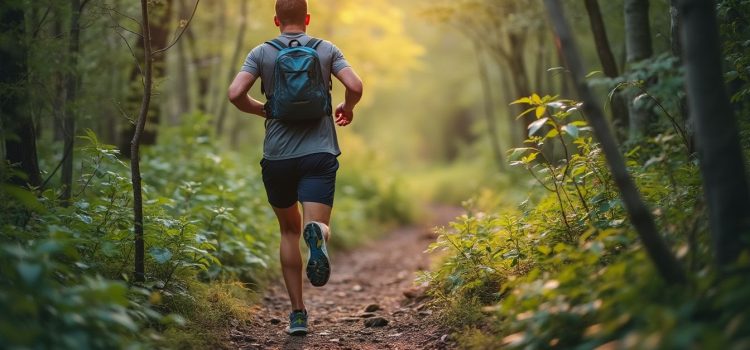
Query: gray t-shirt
[(292, 140)]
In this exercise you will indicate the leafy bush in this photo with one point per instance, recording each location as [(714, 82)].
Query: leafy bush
[(566, 270)]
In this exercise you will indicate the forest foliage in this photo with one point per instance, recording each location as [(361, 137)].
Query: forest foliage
[(466, 100), (564, 268)]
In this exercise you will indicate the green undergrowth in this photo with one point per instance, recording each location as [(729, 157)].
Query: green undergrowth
[(564, 269), (211, 241)]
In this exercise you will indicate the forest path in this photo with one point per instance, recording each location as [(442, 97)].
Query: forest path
[(380, 273)]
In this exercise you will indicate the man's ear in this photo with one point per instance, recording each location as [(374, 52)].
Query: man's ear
[(276, 21), (307, 19)]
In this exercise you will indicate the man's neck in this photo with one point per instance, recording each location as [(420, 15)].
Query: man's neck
[(292, 29)]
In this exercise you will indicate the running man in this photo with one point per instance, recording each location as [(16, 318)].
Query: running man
[(299, 158)]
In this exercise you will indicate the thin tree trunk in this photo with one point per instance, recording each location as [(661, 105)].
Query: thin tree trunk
[(183, 81), (202, 71), (603, 50), (639, 47), (233, 70), (72, 80), (637, 30), (214, 87), (663, 259), (513, 111), (135, 143), (162, 16), (489, 109), (722, 162), (541, 62), (607, 59), (676, 47), (58, 104), (17, 123)]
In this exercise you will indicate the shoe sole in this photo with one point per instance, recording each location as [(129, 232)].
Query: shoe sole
[(318, 266), (297, 331)]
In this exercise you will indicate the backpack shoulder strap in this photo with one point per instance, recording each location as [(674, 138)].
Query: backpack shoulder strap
[(313, 43), (277, 44)]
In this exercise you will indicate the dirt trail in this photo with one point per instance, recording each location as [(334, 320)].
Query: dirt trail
[(382, 274)]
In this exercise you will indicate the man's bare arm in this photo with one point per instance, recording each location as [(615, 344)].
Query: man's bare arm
[(238, 94), (353, 84)]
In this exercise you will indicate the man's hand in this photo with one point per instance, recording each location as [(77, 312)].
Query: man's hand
[(343, 117)]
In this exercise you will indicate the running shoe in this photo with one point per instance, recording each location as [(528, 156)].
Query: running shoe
[(318, 264), (297, 323)]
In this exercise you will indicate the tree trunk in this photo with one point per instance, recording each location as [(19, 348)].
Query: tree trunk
[(676, 47), (58, 104), (183, 74), (607, 59), (638, 47), (637, 30), (722, 162), (233, 70), (135, 143), (489, 108), (159, 38), (72, 81), (17, 124), (516, 140), (202, 71), (664, 261)]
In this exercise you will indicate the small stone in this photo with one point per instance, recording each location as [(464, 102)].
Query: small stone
[(372, 308), (398, 312), (275, 321), (376, 322), (367, 315), (357, 288), (445, 338), (412, 293), (335, 340)]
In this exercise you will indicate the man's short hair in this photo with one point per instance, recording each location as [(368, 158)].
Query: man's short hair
[(291, 11)]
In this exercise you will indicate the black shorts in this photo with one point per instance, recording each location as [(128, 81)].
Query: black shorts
[(310, 178)]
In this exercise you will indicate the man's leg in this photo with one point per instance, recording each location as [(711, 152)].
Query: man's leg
[(318, 212), (290, 226)]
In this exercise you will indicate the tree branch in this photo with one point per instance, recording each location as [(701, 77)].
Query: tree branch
[(177, 38)]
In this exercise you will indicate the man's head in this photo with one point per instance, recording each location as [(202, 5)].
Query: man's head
[(291, 13)]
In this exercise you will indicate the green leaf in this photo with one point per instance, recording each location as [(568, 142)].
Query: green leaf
[(25, 197), (540, 111), (536, 99), (571, 130), (525, 112), (535, 126), (552, 133), (515, 153), (525, 100), (161, 255), (544, 249), (29, 272)]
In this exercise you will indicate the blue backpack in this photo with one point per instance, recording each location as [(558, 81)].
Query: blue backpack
[(299, 91)]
